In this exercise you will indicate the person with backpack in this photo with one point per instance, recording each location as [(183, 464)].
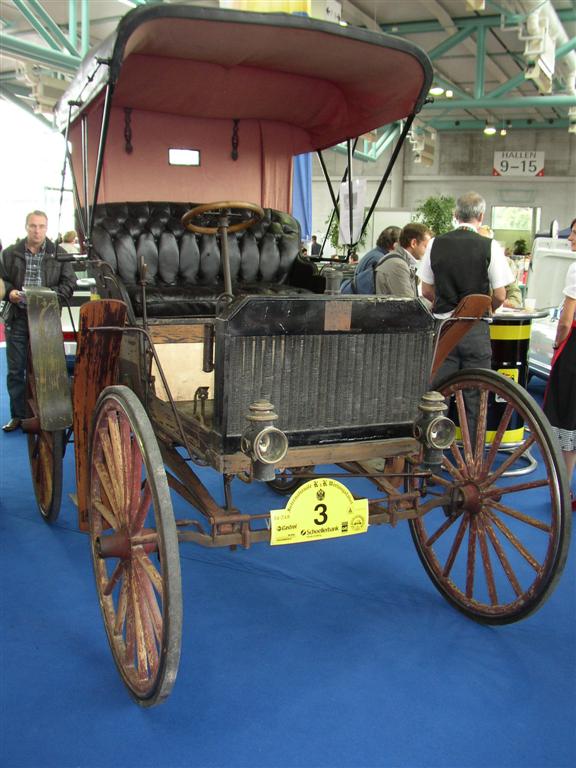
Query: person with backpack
[(395, 273), (363, 279)]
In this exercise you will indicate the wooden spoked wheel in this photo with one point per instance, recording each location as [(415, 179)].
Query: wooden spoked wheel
[(287, 480), (135, 547), (207, 219), (491, 545), (45, 452)]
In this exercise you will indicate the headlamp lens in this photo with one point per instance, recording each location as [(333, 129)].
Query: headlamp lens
[(270, 445), (441, 432)]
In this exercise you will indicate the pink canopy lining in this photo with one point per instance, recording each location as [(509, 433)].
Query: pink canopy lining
[(292, 90)]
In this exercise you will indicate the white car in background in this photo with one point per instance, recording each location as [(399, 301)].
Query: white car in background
[(549, 264)]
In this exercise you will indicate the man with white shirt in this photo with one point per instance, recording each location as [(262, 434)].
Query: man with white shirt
[(458, 264)]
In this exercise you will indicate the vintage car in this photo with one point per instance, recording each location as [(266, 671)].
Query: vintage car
[(215, 348)]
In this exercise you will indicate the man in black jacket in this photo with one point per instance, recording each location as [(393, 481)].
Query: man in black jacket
[(29, 262)]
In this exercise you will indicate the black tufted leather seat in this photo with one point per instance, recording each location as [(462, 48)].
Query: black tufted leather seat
[(184, 273)]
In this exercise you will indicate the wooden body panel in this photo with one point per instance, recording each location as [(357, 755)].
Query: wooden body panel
[(49, 364), (96, 364)]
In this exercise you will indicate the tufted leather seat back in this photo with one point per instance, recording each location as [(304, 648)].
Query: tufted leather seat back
[(125, 232)]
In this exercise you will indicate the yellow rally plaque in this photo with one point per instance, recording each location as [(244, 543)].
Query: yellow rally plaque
[(320, 509)]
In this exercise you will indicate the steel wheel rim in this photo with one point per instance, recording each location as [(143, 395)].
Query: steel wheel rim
[(137, 578), (45, 451), (491, 558)]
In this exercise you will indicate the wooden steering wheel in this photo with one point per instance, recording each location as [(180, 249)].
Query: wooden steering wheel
[(212, 217)]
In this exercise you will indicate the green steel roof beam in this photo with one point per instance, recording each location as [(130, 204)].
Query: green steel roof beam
[(447, 85), (37, 25), (387, 138), (518, 79), (72, 24), (7, 94), (84, 27), (415, 27), (52, 27), (478, 125), (342, 150), (487, 102), (20, 49), (480, 61), (450, 42)]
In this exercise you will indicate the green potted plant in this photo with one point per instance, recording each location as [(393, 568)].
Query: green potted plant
[(437, 213)]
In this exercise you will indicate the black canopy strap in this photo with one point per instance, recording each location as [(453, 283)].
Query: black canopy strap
[(397, 148), (82, 222), (335, 199), (84, 145), (100, 157), (350, 193), (63, 175)]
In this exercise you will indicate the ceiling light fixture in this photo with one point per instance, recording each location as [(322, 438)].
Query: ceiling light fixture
[(503, 131), (436, 90), (449, 94), (489, 130)]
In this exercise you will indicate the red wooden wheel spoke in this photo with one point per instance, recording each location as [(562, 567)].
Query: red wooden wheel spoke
[(135, 482), (508, 570), (481, 432), (120, 618), (513, 540), (113, 580), (106, 487), (506, 489), (117, 466), (147, 626), (140, 513), (521, 516), (455, 548), (471, 564), (151, 599), (441, 531), (130, 641), (114, 489), (153, 575), (141, 655), (514, 456), (106, 513), (488, 572), (497, 441), (463, 421), (460, 472)]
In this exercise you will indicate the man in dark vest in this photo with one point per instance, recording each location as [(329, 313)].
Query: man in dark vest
[(458, 264)]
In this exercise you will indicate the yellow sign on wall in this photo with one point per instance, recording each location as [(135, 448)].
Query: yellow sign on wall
[(268, 6)]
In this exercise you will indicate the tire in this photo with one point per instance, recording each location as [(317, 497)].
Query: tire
[(286, 481), (490, 548), (135, 547), (46, 456), (45, 451)]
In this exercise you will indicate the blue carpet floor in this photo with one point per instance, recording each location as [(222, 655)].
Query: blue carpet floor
[(335, 654)]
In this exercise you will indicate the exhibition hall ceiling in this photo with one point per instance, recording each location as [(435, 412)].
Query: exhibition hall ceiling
[(507, 63)]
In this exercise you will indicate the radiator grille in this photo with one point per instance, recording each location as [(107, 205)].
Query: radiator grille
[(328, 381)]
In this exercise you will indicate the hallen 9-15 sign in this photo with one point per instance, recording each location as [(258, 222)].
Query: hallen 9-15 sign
[(520, 163)]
